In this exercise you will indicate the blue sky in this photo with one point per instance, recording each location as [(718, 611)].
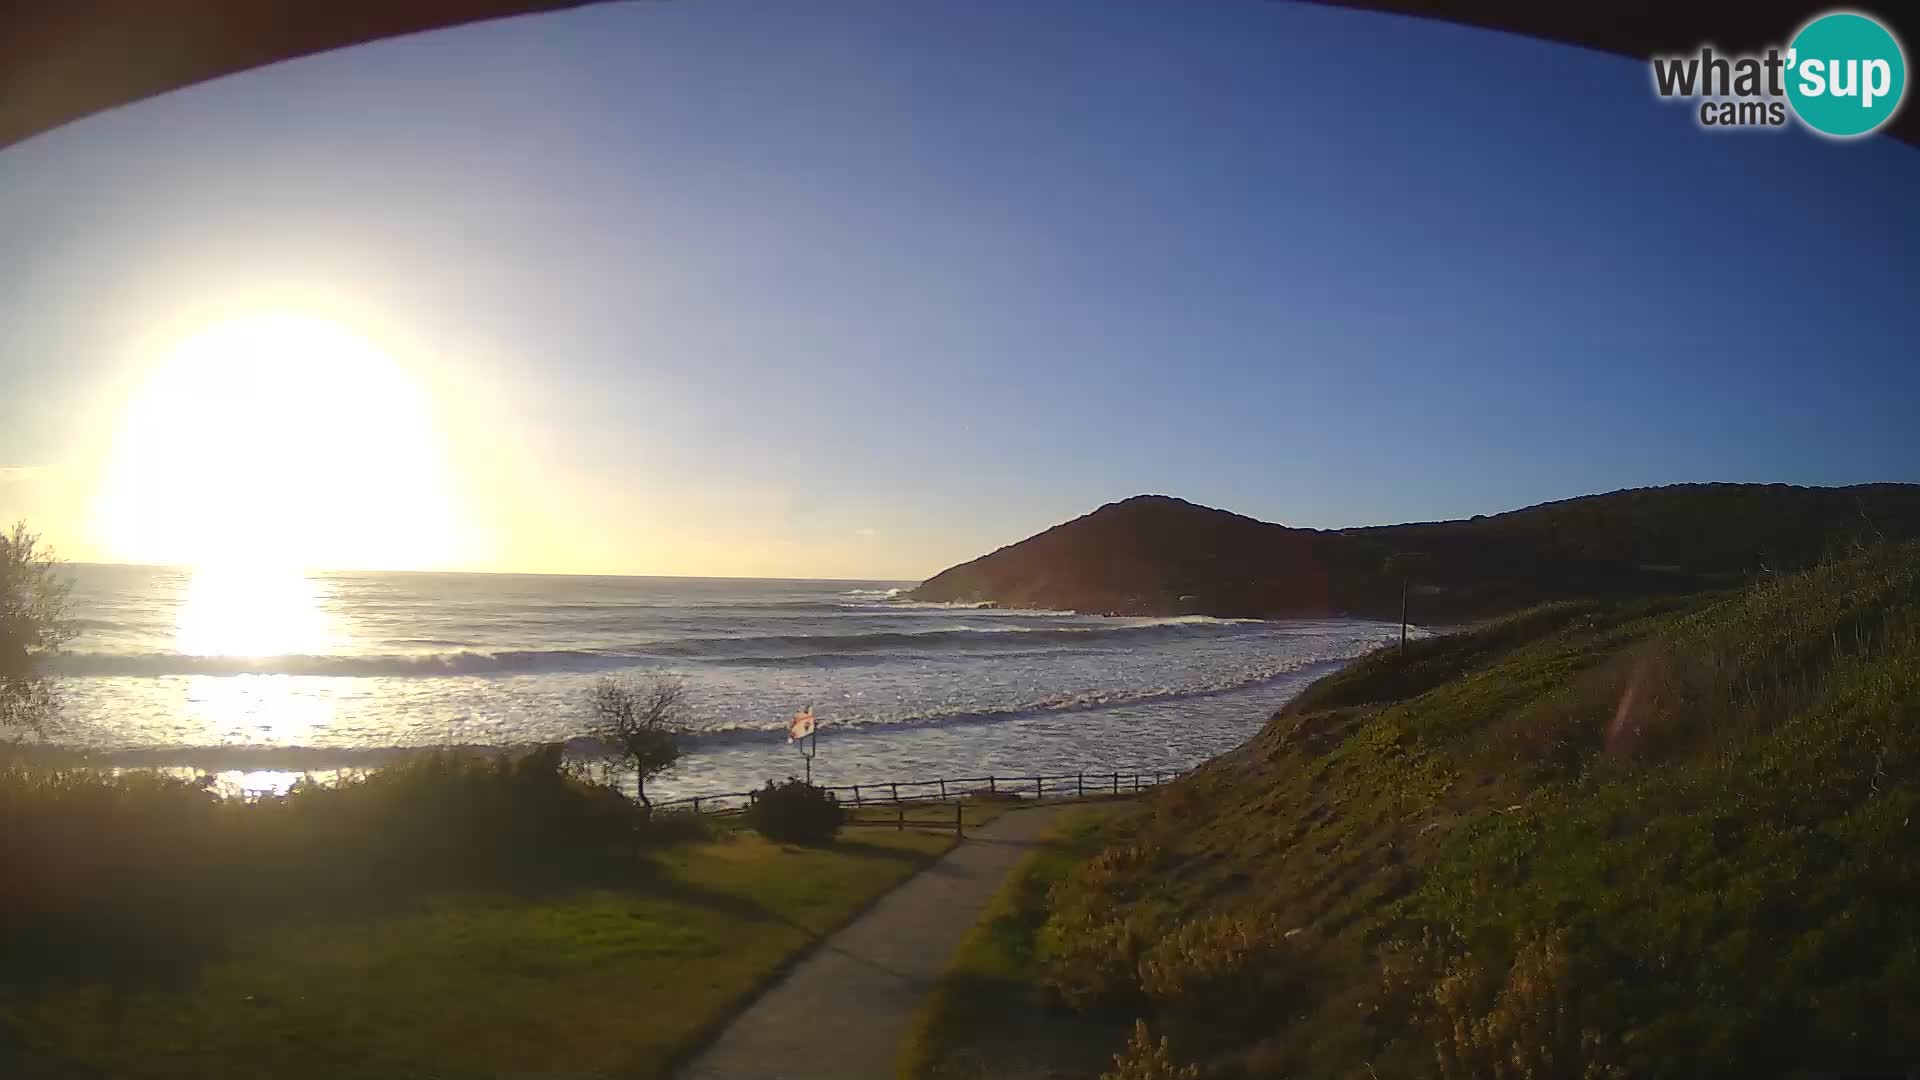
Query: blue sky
[(856, 289)]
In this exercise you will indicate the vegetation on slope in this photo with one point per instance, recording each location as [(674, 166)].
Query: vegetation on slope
[(1665, 838), (1158, 555)]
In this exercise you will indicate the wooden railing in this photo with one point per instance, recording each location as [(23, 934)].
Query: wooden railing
[(894, 793)]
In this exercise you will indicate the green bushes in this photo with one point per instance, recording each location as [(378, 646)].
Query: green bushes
[(1091, 957), (1146, 1058), (453, 818), (1527, 1031), (1091, 943), (795, 812), (1100, 953), (93, 861), (1217, 965), (679, 826)]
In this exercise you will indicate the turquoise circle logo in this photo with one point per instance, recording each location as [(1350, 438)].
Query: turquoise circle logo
[(1845, 74)]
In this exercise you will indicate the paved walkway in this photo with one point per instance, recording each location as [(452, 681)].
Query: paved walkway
[(842, 1012)]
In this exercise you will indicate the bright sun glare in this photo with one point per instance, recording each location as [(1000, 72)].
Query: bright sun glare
[(251, 611), (277, 442)]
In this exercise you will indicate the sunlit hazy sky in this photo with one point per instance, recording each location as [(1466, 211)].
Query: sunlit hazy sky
[(862, 290)]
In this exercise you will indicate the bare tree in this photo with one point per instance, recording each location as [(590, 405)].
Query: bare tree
[(638, 722), (33, 623)]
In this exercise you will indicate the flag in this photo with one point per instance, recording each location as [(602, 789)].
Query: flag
[(801, 725)]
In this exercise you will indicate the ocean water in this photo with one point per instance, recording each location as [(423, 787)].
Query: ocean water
[(261, 677)]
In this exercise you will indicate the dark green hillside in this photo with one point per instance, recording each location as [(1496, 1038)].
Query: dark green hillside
[(1671, 837), (1157, 555)]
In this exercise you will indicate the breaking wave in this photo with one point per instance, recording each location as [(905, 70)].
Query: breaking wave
[(775, 649), (296, 758)]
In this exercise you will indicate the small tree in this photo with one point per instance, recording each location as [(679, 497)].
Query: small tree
[(638, 722), (33, 623)]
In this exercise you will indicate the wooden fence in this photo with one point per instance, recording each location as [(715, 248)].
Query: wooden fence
[(1078, 785)]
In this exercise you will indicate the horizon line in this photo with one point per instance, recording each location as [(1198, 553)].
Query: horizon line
[(519, 573)]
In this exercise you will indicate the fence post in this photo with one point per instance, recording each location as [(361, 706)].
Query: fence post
[(943, 788), (957, 830), (1080, 785), (899, 815), (990, 786), (856, 794), (1136, 783), (1116, 783), (1039, 792), (696, 804), (896, 791)]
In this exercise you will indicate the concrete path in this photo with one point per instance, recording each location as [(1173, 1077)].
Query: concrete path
[(842, 1012)]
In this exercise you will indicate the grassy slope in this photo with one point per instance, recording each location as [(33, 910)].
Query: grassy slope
[(610, 981), (1663, 838)]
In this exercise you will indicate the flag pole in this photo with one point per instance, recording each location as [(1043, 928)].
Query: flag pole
[(810, 742)]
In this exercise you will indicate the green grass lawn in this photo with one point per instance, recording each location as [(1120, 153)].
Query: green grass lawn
[(608, 981), (984, 1017), (930, 814), (936, 815)]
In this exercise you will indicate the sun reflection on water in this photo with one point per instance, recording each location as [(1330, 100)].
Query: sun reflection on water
[(255, 612), (259, 710)]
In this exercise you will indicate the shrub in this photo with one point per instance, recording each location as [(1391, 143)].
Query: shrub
[(1117, 872), (677, 827), (1217, 965), (93, 861), (1528, 1033), (795, 812), (1091, 958), (1146, 1059), (1090, 945)]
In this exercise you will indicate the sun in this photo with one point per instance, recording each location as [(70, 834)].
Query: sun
[(276, 441)]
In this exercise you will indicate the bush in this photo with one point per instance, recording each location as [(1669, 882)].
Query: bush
[(1091, 958), (1218, 966), (795, 812), (667, 827), (93, 861), (1147, 1059), (1091, 944), (1528, 1031)]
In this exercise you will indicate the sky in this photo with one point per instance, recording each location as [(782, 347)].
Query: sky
[(846, 289)]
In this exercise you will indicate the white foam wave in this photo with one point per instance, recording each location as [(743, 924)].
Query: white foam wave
[(735, 649)]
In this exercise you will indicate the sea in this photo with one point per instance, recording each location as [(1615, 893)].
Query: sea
[(260, 677)]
